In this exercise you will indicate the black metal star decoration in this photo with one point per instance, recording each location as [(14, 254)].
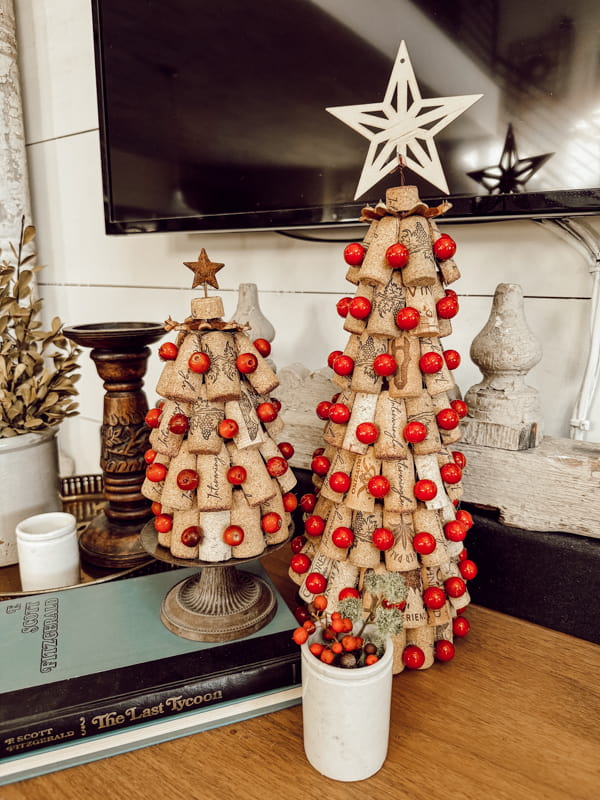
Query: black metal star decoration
[(204, 270), (512, 173)]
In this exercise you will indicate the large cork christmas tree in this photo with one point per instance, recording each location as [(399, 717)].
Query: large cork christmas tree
[(219, 483), (388, 480)]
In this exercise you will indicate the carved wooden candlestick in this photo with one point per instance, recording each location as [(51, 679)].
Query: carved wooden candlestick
[(120, 353)]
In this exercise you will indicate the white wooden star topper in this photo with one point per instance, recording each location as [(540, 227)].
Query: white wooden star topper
[(403, 124)]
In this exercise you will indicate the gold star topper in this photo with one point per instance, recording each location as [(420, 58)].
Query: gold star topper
[(204, 271)]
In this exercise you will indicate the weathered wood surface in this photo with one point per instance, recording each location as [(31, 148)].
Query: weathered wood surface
[(553, 487)]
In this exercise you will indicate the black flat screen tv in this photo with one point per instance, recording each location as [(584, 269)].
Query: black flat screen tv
[(212, 114)]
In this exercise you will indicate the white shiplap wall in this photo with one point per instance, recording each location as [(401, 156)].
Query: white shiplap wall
[(91, 277)]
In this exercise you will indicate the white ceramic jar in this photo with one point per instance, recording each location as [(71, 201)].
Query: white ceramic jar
[(48, 551), (346, 716)]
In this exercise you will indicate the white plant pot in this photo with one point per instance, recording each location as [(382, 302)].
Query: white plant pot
[(346, 716), (29, 484)]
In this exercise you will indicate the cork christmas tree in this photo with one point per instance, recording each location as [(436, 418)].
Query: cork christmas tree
[(219, 483), (388, 480)]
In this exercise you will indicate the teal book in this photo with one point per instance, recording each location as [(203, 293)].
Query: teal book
[(91, 671)]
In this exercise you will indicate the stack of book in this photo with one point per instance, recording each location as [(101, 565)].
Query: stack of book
[(91, 672)]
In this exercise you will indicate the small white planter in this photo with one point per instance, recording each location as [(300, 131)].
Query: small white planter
[(346, 716), (29, 484)]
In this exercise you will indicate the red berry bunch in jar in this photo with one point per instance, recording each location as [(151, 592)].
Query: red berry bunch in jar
[(388, 478)]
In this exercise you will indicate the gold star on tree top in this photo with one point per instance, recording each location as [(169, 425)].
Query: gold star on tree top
[(204, 271)]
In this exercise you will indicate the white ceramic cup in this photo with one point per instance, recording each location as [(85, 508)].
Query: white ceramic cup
[(48, 551)]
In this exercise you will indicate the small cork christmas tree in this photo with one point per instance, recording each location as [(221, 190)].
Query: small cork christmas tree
[(388, 482), (219, 483)]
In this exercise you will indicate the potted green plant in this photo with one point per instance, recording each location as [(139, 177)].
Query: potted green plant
[(347, 658), (37, 389)]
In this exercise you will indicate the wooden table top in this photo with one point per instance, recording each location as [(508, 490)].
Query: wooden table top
[(515, 716)]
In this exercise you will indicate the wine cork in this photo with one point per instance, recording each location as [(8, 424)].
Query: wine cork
[(275, 428), (207, 307), (214, 490), (343, 461), (403, 198), (222, 378), (352, 324), (390, 418), (363, 552), (454, 491), (442, 380), (212, 526), (365, 467), (205, 416), (335, 432), (401, 557), (322, 507), (250, 431), (420, 409), (340, 516), (375, 270), (407, 381), (323, 566), (268, 449), (460, 602), (443, 632), (401, 475), (364, 377), (421, 298), (427, 468), (421, 269), (363, 410), (163, 440), (275, 505), (263, 379), (164, 539), (343, 575), (152, 490), (248, 519), (181, 521), (422, 637), (414, 614), (351, 349), (173, 496), (386, 301), (184, 384), (398, 643), (426, 520), (258, 486), (444, 325), (166, 379), (353, 275)]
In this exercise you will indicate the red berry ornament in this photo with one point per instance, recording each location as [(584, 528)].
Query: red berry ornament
[(383, 538), (367, 432), (397, 255), (271, 522), (424, 543), (360, 307), (343, 365), (342, 306), (286, 449), (378, 486), (246, 363), (179, 423), (199, 362), (315, 583), (263, 346), (465, 518), (408, 318), (152, 418), (447, 419), (297, 543), (190, 537), (308, 502), (149, 455), (188, 480), (413, 657), (339, 413), (434, 597), (444, 247), (277, 466), (228, 428), (354, 254), (415, 432), (342, 537), (323, 409), (168, 351), (452, 358), (320, 465), (430, 362), (447, 307), (300, 563), (425, 490), (233, 535), (451, 473), (385, 364), (460, 459), (339, 482), (454, 531), (163, 523), (156, 472), (460, 407), (332, 357), (455, 586), (460, 626), (236, 475), (348, 591), (468, 569), (314, 525), (444, 650), (266, 412)]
